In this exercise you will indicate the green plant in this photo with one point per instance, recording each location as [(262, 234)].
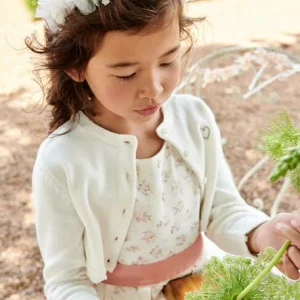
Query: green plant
[(237, 278), (288, 163), (31, 5), (281, 142)]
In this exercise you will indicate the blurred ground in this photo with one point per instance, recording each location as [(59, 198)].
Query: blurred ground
[(231, 22)]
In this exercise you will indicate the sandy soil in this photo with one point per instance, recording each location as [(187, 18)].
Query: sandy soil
[(231, 22)]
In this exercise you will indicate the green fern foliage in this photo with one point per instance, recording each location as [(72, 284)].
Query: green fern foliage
[(226, 278), (289, 163), (295, 177), (281, 142), (31, 5), (279, 136)]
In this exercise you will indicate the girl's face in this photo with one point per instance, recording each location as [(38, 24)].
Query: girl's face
[(132, 75)]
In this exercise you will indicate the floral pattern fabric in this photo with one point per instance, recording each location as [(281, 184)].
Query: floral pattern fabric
[(165, 220)]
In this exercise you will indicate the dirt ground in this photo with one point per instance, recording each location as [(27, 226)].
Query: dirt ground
[(228, 23)]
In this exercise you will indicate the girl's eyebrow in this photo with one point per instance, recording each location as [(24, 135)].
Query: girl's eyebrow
[(130, 64)]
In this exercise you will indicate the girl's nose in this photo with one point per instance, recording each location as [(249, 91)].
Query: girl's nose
[(151, 88)]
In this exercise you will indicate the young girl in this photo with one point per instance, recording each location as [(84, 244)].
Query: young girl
[(132, 174)]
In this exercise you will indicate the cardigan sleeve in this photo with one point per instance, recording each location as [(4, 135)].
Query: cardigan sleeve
[(60, 238), (231, 218)]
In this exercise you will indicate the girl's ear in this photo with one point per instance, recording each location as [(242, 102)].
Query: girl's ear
[(76, 75)]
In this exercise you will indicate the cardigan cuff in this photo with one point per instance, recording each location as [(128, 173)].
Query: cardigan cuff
[(239, 239), (235, 241)]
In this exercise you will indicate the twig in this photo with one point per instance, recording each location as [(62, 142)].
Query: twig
[(257, 76), (279, 198), (265, 272), (219, 53), (251, 172), (269, 81)]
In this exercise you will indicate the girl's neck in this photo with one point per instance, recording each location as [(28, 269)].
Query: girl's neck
[(119, 125)]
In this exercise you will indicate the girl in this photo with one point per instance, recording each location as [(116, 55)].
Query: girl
[(132, 174)]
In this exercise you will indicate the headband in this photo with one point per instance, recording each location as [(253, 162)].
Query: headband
[(54, 11)]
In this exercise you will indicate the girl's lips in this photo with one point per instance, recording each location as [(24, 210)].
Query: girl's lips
[(148, 111)]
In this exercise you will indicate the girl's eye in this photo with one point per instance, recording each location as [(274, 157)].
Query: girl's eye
[(130, 77), (167, 64), (126, 78)]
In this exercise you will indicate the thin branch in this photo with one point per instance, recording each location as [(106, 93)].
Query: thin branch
[(280, 196), (252, 171), (257, 77), (269, 81)]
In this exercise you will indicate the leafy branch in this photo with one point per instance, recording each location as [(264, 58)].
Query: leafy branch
[(31, 5), (281, 142), (289, 162), (236, 278)]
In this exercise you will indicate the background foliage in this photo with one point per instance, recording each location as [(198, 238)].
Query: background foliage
[(31, 5)]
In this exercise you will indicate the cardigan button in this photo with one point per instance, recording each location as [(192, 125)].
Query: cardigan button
[(124, 211)]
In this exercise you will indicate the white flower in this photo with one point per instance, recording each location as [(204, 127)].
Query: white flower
[(54, 11), (85, 7)]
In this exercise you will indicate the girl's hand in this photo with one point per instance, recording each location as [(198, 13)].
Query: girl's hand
[(274, 233)]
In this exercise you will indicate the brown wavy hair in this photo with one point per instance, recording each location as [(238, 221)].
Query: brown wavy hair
[(77, 41)]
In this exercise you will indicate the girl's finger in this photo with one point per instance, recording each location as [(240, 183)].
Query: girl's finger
[(294, 256), (296, 222), (281, 268), (290, 269), (290, 233)]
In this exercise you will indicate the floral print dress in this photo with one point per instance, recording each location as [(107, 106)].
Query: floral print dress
[(165, 220)]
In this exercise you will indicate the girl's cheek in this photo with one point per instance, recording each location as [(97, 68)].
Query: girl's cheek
[(174, 77), (117, 91)]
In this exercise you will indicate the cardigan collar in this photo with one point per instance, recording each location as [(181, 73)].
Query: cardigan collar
[(120, 139)]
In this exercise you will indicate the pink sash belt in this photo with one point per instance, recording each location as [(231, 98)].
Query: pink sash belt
[(155, 273)]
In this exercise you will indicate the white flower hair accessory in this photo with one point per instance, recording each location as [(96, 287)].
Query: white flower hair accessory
[(54, 11)]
